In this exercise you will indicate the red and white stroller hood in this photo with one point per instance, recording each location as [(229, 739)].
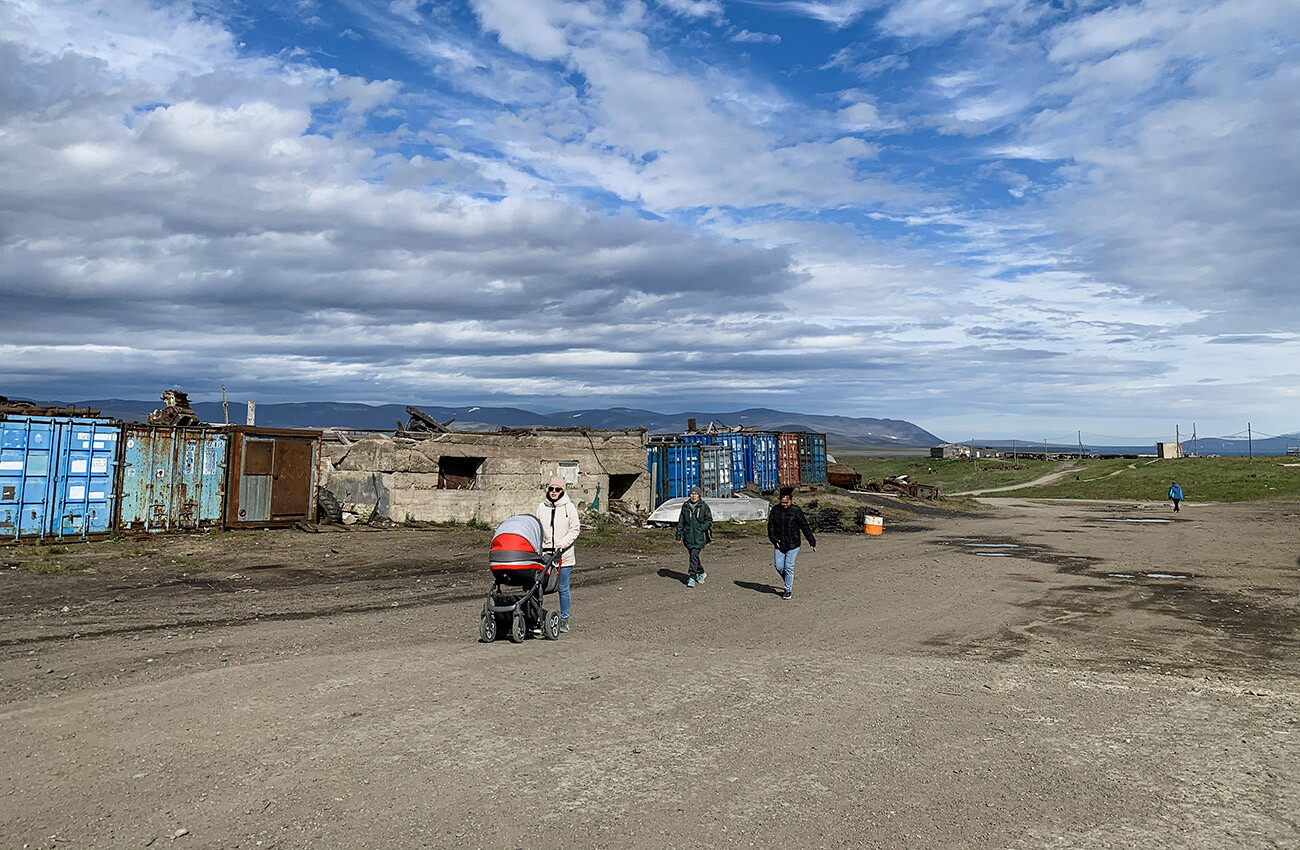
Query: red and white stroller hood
[(517, 545)]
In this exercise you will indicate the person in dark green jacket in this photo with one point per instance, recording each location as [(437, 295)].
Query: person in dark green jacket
[(694, 530)]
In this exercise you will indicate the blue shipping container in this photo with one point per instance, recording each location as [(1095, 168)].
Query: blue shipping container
[(56, 477), (698, 439), (657, 466), (742, 457), (683, 468), (171, 478), (765, 462)]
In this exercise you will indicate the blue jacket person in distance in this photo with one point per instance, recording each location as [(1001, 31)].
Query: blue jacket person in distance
[(1175, 495)]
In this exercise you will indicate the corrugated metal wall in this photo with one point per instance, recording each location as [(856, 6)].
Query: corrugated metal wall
[(812, 458), (57, 477), (715, 471), (272, 477), (788, 458), (171, 479)]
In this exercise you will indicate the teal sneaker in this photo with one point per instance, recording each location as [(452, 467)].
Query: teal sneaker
[(699, 579), (690, 582), (564, 625)]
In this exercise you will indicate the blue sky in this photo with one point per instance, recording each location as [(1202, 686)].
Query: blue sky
[(988, 217)]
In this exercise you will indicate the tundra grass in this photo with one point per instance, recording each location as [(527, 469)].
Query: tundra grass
[(953, 476), (1203, 479), (1220, 479)]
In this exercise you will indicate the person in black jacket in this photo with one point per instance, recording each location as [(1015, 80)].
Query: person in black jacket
[(784, 523)]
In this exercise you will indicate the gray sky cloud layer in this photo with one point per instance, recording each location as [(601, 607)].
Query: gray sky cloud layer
[(989, 217)]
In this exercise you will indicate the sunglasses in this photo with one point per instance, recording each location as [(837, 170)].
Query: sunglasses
[(555, 489)]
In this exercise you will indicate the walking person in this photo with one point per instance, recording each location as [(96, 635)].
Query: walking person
[(560, 527), (1175, 495), (694, 530), (784, 523)]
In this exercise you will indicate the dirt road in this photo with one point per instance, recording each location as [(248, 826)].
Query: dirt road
[(1055, 475), (1046, 675)]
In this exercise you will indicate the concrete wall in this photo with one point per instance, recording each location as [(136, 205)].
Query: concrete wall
[(398, 477)]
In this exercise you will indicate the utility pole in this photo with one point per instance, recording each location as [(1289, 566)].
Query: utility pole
[(1179, 440), (1080, 433), (1014, 456), (225, 408), (1195, 450), (1250, 445), (1044, 448)]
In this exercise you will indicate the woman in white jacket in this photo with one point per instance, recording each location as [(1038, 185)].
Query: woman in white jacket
[(560, 528)]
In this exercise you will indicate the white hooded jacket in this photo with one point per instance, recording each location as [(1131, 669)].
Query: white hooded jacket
[(560, 525)]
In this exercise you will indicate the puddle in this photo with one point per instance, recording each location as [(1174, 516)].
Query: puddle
[(995, 554), (1120, 575), (995, 545), (1165, 575), (1137, 520)]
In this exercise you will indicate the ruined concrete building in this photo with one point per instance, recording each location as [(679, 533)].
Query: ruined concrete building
[(461, 476)]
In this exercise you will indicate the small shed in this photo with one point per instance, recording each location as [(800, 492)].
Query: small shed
[(1169, 451), (950, 450)]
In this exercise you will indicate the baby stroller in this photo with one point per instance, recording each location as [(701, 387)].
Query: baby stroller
[(518, 561)]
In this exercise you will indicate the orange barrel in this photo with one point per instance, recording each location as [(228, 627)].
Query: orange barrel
[(873, 525)]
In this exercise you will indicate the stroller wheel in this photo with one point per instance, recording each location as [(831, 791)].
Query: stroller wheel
[(551, 625), (487, 627), (518, 628)]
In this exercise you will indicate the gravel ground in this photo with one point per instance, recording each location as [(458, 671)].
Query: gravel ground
[(1040, 675)]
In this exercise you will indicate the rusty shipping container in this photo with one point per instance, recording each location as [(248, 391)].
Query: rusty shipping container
[(171, 479), (272, 477), (787, 450)]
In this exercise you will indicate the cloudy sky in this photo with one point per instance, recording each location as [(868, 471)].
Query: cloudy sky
[(989, 217)]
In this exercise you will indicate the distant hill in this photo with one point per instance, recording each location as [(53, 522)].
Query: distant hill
[(841, 431)]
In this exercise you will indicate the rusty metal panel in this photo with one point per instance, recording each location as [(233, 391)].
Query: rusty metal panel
[(294, 476), (787, 445), (171, 479), (272, 476)]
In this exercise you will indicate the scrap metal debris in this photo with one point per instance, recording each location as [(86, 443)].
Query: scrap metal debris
[(28, 408), (176, 411)]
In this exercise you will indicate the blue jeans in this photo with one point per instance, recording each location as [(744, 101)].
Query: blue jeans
[(565, 572), (785, 566)]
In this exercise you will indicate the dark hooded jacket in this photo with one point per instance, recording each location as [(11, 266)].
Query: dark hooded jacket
[(694, 524), (784, 525)]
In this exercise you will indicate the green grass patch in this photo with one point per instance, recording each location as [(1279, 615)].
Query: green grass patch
[(952, 475), (1203, 479)]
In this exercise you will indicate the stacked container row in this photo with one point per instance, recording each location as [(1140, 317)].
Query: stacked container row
[(754, 457), (64, 478)]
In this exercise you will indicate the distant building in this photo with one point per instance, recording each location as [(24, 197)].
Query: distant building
[(950, 450), (1169, 451)]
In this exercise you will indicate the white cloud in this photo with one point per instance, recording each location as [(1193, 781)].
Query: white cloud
[(693, 8), (747, 37)]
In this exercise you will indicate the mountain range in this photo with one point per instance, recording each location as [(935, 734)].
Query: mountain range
[(844, 432)]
